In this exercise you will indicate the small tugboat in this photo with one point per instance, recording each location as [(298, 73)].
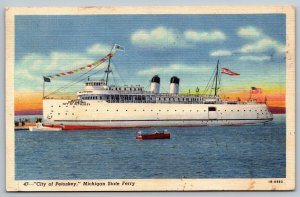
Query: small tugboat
[(40, 127), (153, 136)]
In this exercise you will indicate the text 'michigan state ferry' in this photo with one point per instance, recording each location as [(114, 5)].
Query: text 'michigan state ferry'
[(104, 106)]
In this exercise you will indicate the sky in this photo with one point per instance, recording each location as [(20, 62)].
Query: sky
[(186, 46)]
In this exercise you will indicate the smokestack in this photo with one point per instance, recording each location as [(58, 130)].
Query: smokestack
[(155, 84), (174, 85)]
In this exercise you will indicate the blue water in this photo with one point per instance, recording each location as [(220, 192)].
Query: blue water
[(255, 151)]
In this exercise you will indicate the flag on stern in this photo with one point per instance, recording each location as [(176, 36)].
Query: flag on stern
[(46, 79), (229, 72), (255, 90)]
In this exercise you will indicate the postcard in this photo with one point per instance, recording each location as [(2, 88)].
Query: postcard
[(150, 98)]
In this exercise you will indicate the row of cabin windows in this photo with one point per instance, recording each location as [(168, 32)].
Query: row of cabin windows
[(140, 98), (179, 110), (144, 110), (209, 109), (95, 83), (158, 110), (130, 89)]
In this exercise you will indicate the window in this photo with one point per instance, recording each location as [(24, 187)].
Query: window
[(212, 109)]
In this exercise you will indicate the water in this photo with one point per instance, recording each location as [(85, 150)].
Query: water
[(255, 151)]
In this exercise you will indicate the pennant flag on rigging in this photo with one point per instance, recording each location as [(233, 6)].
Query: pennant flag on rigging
[(90, 66), (226, 71)]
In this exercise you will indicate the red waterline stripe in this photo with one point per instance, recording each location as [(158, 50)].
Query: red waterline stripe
[(82, 127)]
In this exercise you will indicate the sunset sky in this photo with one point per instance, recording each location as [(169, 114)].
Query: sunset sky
[(187, 46)]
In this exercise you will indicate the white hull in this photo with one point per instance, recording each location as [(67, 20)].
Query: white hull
[(41, 128), (95, 114)]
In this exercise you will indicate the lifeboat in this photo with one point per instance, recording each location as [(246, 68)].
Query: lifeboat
[(153, 136)]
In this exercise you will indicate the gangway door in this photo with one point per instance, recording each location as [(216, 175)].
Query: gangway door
[(212, 113)]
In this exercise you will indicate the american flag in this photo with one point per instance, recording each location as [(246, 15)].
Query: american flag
[(255, 90), (226, 71)]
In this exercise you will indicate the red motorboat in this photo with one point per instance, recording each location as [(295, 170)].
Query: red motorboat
[(153, 136)]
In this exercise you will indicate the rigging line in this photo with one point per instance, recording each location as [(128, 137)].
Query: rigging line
[(70, 84), (86, 77), (115, 65), (114, 79), (208, 84)]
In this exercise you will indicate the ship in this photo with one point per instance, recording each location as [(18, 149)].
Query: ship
[(101, 105)]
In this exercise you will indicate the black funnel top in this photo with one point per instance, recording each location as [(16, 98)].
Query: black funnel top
[(174, 79), (155, 79)]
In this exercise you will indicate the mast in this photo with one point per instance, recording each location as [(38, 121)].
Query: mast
[(216, 79), (107, 71), (44, 89)]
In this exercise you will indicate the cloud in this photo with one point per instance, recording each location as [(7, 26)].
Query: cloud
[(202, 36), (255, 58), (172, 69), (249, 32), (98, 49), (30, 69), (263, 45), (220, 53), (162, 37), (158, 38)]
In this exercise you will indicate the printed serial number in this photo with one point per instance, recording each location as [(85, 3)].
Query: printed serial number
[(275, 181)]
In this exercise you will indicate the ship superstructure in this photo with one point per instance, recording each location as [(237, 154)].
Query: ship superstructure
[(104, 106)]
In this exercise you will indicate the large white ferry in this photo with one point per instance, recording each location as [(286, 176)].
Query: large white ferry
[(104, 106)]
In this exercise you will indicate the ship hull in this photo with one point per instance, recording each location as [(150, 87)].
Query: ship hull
[(102, 115)]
